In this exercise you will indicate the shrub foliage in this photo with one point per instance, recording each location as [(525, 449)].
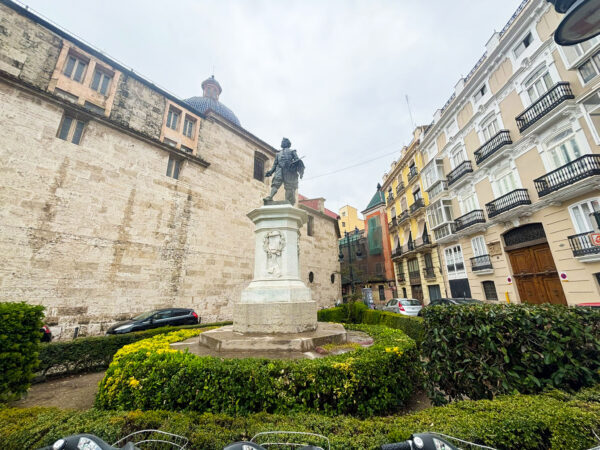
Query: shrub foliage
[(374, 380), (95, 352), (20, 335), (358, 312), (550, 421), (485, 350)]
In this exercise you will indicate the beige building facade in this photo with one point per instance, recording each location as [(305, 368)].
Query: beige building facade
[(512, 168), (117, 197)]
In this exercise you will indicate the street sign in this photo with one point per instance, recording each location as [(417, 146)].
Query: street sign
[(595, 238)]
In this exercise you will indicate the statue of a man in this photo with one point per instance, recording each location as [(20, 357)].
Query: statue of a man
[(287, 167)]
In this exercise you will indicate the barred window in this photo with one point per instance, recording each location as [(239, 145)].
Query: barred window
[(489, 290), (310, 226), (259, 166)]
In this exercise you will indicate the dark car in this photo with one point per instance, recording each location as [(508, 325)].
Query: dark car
[(46, 334), (155, 319), (452, 301)]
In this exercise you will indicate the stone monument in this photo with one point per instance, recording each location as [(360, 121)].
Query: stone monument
[(276, 311)]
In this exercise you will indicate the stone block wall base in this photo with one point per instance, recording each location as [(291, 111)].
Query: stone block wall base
[(280, 317), (226, 339)]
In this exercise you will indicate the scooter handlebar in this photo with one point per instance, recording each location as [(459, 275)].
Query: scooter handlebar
[(406, 445)]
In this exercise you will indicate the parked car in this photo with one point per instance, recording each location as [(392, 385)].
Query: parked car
[(592, 305), (155, 319), (406, 306), (452, 301), (46, 334)]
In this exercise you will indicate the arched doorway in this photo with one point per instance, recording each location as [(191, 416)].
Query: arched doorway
[(533, 267)]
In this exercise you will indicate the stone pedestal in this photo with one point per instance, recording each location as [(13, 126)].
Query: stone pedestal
[(276, 301)]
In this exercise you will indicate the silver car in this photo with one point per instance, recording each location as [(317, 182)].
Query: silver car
[(406, 306)]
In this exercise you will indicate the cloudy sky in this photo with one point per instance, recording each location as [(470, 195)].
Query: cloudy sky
[(332, 76)]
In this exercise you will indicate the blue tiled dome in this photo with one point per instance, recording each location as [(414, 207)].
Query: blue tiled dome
[(210, 101), (203, 104)]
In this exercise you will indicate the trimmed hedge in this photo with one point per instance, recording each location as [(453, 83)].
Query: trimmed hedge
[(376, 380), (359, 313), (20, 336), (95, 352), (551, 421), (482, 351)]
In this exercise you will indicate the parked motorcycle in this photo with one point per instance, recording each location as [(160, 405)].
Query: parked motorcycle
[(140, 440)]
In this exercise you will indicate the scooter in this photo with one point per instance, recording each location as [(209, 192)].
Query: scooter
[(140, 440)]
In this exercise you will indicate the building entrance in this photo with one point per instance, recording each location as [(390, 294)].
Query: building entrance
[(417, 292), (533, 267)]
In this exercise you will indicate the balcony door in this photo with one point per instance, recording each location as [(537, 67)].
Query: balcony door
[(479, 247), (562, 149), (505, 184), (538, 84), (581, 214)]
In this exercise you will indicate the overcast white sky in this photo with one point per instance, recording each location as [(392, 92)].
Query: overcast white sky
[(330, 75)]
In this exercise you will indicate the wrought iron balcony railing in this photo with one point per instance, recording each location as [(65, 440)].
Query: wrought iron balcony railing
[(546, 103), (470, 218), (429, 272), (462, 169), (403, 216), (583, 167), (507, 202), (501, 139), (393, 223), (401, 278), (414, 277), (482, 262), (413, 172), (390, 198), (400, 188), (418, 204), (582, 245)]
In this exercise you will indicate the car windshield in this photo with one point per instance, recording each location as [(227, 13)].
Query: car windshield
[(410, 302), (144, 315)]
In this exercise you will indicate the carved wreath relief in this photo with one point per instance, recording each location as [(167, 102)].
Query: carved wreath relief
[(273, 244)]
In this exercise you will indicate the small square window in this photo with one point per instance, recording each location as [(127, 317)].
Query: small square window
[(187, 149), (170, 142), (75, 68), (489, 290), (480, 93), (173, 118), (101, 82), (71, 129), (189, 126), (173, 167)]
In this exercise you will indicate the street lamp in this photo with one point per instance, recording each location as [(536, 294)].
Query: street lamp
[(581, 21), (348, 244)]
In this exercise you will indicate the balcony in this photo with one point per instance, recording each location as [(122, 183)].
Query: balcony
[(393, 223), (401, 278), (414, 277), (507, 202), (400, 188), (550, 100), (482, 264), (413, 172), (397, 252), (459, 171), (469, 219), (418, 204), (583, 167), (429, 272), (501, 139), (445, 233), (402, 217), (437, 188), (390, 199), (583, 247)]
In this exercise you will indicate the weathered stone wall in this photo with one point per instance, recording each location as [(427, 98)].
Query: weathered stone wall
[(138, 107), (27, 50), (319, 254)]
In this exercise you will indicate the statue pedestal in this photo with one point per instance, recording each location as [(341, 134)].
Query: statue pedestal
[(276, 301)]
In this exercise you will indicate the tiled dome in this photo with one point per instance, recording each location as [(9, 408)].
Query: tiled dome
[(210, 101)]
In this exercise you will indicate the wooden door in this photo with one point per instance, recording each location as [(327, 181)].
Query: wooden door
[(417, 292), (536, 276)]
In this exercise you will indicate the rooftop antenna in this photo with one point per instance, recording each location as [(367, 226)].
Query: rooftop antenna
[(410, 113)]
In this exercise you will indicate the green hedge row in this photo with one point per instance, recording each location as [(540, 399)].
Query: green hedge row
[(379, 379), (552, 421), (482, 351), (95, 352), (20, 335), (358, 312)]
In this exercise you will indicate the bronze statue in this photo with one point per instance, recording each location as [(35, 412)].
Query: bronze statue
[(287, 167)]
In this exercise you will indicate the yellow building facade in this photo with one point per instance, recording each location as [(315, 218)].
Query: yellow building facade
[(349, 219), (417, 267)]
